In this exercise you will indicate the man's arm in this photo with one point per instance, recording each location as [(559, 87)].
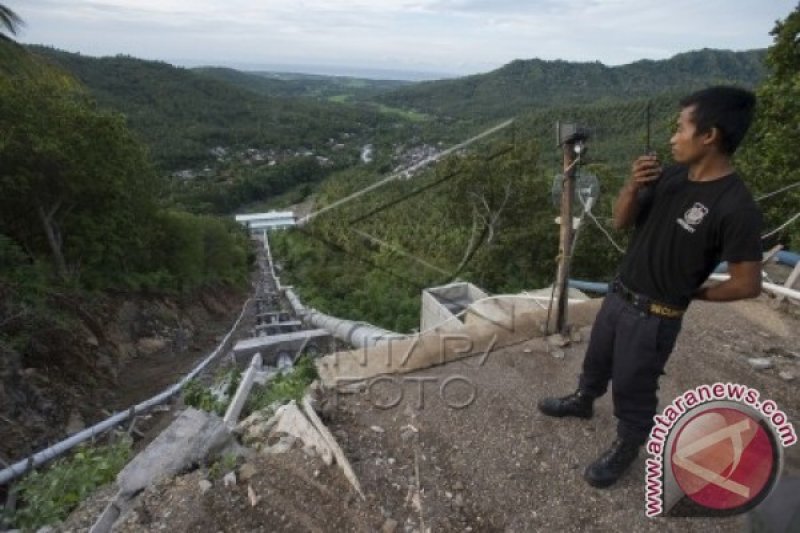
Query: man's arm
[(646, 169), (745, 282)]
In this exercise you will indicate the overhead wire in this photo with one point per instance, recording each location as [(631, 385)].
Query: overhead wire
[(782, 189), (781, 227), (588, 211)]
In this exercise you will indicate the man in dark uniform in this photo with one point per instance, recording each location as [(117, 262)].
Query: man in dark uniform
[(687, 218)]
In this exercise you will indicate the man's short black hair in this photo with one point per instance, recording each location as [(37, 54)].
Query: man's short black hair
[(729, 109)]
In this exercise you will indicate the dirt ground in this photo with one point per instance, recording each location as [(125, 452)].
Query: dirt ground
[(294, 492), (151, 373), (500, 465), (495, 465)]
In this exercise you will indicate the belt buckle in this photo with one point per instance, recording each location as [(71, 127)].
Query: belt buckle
[(664, 311)]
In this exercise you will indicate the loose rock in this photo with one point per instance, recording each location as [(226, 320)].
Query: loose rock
[(75, 423), (282, 446), (760, 363), (247, 471), (782, 352), (390, 526), (558, 340), (407, 433), (150, 345)]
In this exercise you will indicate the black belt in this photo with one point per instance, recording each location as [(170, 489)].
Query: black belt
[(645, 303)]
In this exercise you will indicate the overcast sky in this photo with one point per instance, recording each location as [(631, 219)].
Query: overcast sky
[(440, 36)]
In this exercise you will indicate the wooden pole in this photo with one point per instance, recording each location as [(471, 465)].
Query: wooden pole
[(565, 239)]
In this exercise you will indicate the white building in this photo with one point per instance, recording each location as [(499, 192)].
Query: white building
[(367, 153), (257, 222)]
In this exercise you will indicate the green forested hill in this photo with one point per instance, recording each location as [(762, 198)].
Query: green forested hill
[(523, 84), (337, 265), (80, 202), (446, 225), (181, 114), (338, 88)]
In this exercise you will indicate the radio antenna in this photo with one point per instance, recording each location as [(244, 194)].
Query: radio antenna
[(647, 147)]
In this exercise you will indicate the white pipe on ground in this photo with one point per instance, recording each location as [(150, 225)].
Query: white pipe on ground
[(358, 334), (269, 260), (297, 306), (776, 289)]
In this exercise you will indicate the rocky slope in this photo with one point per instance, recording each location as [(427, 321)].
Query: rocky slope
[(108, 354)]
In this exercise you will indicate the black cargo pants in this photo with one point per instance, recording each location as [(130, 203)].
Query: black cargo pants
[(629, 347)]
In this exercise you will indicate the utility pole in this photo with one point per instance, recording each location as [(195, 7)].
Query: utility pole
[(570, 138)]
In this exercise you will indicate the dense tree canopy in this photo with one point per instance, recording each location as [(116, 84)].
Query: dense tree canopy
[(75, 183), (771, 159), (77, 189)]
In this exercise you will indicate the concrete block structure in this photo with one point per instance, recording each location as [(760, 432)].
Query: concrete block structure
[(441, 305)]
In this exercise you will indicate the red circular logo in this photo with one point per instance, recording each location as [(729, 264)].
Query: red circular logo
[(724, 459)]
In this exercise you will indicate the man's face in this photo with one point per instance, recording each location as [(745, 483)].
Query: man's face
[(687, 145)]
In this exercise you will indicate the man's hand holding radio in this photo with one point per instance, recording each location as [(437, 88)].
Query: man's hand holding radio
[(646, 169)]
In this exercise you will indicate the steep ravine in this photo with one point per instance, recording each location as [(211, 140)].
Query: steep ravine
[(113, 351)]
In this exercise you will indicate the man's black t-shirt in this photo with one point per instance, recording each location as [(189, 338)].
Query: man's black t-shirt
[(684, 229)]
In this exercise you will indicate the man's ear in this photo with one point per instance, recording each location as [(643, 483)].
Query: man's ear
[(712, 136)]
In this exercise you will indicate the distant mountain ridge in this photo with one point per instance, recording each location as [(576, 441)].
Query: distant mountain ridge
[(338, 88), (181, 114), (537, 83)]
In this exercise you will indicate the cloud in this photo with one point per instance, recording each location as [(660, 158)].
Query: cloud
[(443, 35)]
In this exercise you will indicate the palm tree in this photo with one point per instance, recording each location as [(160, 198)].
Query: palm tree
[(9, 23)]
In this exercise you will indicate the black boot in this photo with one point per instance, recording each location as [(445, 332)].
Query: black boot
[(576, 404), (610, 466)]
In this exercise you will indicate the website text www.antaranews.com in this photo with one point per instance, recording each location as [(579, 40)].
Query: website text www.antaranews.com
[(689, 400)]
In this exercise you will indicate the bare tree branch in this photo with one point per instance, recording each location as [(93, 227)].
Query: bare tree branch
[(491, 218)]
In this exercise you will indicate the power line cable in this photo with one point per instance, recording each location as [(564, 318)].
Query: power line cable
[(588, 211), (773, 193), (782, 226)]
